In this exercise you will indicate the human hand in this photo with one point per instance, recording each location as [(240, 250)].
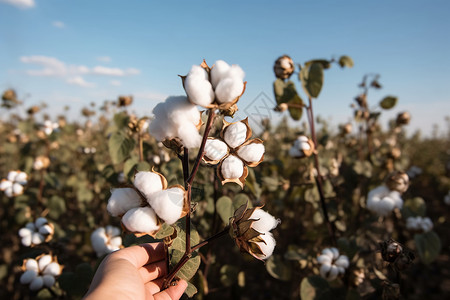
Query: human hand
[(134, 273)]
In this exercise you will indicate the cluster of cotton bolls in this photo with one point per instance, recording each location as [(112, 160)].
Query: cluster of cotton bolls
[(142, 215), (105, 240), (382, 201), (302, 147), (332, 264), (40, 272), (177, 118), (37, 232), (223, 84), (13, 184), (264, 223), (49, 127), (419, 224)]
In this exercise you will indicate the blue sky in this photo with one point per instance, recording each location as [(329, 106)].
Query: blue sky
[(77, 52)]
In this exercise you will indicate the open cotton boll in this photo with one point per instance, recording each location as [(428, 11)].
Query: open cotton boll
[(17, 189), (236, 73), (21, 178), (215, 149), (329, 272), (37, 283), (5, 184), (252, 152), (53, 269), (335, 252), (305, 146), (229, 89), (32, 264), (235, 134), (324, 259), (232, 167), (198, 88), (382, 201), (188, 133), (148, 183), (264, 221), (37, 238), (99, 240), (122, 200), (112, 230), (40, 221), (267, 246), (23, 232), (114, 243), (168, 204), (295, 152), (342, 261), (218, 72), (44, 261), (28, 276), (49, 280), (12, 175), (46, 230), (140, 219), (26, 240)]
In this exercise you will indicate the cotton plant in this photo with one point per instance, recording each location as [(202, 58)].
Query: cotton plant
[(105, 240), (48, 127), (418, 223), (234, 152), (40, 272), (302, 147), (14, 183), (37, 232), (332, 264)]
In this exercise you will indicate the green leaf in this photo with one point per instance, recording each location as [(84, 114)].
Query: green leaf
[(120, 147), (191, 290), (278, 89), (228, 275), (428, 246), (224, 206), (129, 166), (56, 206), (414, 208), (278, 268), (285, 92), (315, 288), (121, 120), (326, 64), (270, 183), (312, 79), (346, 61), (388, 102), (166, 230)]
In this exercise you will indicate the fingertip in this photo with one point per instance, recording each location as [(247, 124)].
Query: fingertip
[(174, 291)]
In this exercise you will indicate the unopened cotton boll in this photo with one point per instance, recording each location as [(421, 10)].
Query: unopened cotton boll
[(218, 72), (265, 222), (28, 276), (235, 134), (215, 149), (229, 89), (122, 200), (140, 219), (198, 88), (37, 283), (267, 246), (168, 204), (252, 152), (232, 167)]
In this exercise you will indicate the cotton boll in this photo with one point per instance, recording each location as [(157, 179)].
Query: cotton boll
[(98, 241), (37, 283), (218, 72), (252, 152), (17, 189), (12, 176), (264, 221), (21, 178), (23, 232), (324, 270), (229, 89), (30, 226), (235, 134), (295, 152), (140, 219), (267, 246), (335, 252), (232, 167), (148, 183), (9, 192), (28, 276), (53, 269), (112, 230), (122, 200), (215, 149), (328, 252), (49, 280), (115, 242), (26, 240), (5, 184), (32, 264), (40, 221), (342, 261), (236, 73), (188, 133), (168, 204), (37, 238), (46, 230), (44, 261), (305, 146), (334, 272), (324, 259), (198, 88)]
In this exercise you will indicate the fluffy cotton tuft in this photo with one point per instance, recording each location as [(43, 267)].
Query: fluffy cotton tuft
[(418, 223), (168, 204), (300, 145), (37, 283), (148, 183), (232, 167), (40, 272), (229, 89), (28, 276), (215, 149), (235, 134), (176, 117), (218, 72), (265, 222), (197, 86), (267, 246), (140, 219), (53, 269), (332, 264), (382, 201), (105, 241), (252, 152), (13, 184), (122, 200)]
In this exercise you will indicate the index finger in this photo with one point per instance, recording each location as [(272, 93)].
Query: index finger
[(141, 255)]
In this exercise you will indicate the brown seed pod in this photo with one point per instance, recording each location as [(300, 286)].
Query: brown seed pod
[(283, 67)]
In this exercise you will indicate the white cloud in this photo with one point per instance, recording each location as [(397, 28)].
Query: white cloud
[(115, 82), (100, 70), (58, 24), (78, 80), (51, 66), (105, 59), (20, 3)]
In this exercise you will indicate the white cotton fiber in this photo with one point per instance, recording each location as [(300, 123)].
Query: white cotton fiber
[(252, 152), (32, 264), (98, 241), (235, 134), (140, 219), (121, 200), (218, 72), (148, 183), (46, 230), (26, 240), (197, 86), (40, 221), (23, 232), (44, 261), (382, 201), (232, 167), (229, 89), (37, 238), (342, 261), (215, 149), (28, 276), (324, 259), (21, 178), (264, 221), (53, 269), (168, 204), (267, 246), (49, 280), (37, 283)]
